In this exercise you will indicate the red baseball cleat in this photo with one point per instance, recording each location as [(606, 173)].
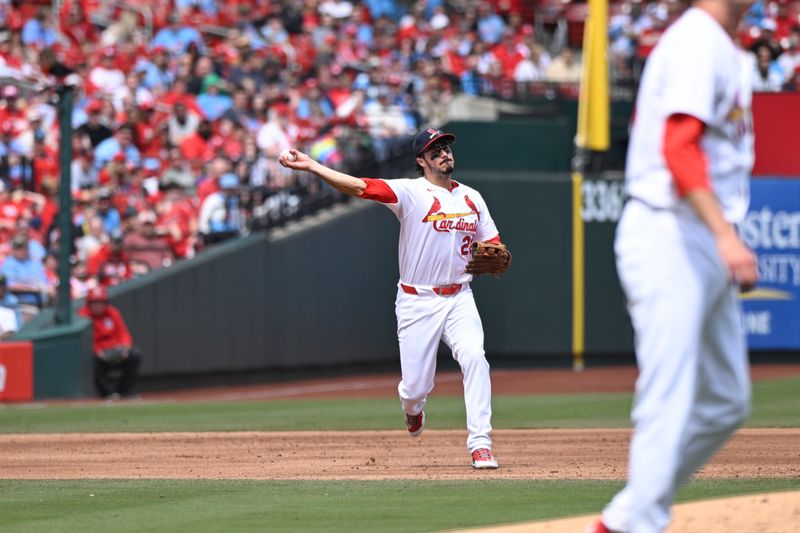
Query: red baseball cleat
[(415, 423), (483, 458), (597, 527)]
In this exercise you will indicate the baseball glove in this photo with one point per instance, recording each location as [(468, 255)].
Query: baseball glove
[(488, 258), (114, 355)]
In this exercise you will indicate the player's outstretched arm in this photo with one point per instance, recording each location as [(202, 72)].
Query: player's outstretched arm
[(340, 181)]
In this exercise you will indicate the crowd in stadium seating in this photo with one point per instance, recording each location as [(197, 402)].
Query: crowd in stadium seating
[(771, 31), (182, 106)]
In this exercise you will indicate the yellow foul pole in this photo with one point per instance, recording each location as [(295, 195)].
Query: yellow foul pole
[(593, 103), (592, 135)]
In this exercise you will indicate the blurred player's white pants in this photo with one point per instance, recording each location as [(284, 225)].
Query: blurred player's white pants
[(422, 321), (693, 388)]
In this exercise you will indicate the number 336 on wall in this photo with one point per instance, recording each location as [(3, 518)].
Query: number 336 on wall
[(602, 201)]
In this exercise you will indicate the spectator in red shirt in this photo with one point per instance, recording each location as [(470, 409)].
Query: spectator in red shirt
[(9, 212), (114, 352), (75, 23), (12, 116), (149, 134), (508, 54), (232, 135), (196, 148), (113, 173), (210, 184), (110, 263), (179, 217), (178, 94), (45, 164)]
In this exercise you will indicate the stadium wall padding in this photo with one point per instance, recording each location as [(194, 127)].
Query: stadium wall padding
[(62, 356)]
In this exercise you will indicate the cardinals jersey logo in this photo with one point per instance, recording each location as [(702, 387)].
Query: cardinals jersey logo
[(735, 114), (471, 205), (738, 117), (446, 222)]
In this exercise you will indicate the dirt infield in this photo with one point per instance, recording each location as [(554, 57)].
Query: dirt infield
[(766, 513), (523, 454)]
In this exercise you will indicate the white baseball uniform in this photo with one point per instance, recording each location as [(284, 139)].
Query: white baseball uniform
[(693, 388), (434, 299)]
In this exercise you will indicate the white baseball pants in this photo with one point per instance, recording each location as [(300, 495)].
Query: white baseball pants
[(693, 388), (422, 321)]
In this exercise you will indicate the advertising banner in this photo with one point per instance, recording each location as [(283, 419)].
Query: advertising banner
[(775, 136), (16, 371), (772, 230)]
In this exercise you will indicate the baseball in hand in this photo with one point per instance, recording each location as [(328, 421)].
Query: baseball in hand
[(288, 155)]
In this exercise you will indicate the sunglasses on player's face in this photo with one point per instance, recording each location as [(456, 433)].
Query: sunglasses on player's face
[(438, 148)]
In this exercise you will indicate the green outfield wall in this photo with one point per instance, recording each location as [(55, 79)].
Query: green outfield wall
[(322, 293), (529, 311), (542, 141)]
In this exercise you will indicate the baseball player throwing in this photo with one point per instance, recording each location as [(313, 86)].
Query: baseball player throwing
[(681, 261), (440, 219)]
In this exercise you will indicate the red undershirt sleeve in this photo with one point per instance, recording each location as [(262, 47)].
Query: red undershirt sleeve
[(684, 155), (495, 239), (379, 191)]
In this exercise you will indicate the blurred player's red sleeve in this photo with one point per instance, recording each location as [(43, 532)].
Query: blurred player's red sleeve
[(379, 191), (684, 155)]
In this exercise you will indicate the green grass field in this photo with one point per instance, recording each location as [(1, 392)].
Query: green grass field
[(336, 506), (385, 506)]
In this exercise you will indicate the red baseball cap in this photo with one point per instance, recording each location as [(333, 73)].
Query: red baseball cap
[(94, 106), (97, 294), (282, 108)]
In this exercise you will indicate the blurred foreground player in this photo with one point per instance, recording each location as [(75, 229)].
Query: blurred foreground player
[(681, 261)]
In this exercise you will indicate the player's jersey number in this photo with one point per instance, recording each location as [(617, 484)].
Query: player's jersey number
[(465, 246)]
